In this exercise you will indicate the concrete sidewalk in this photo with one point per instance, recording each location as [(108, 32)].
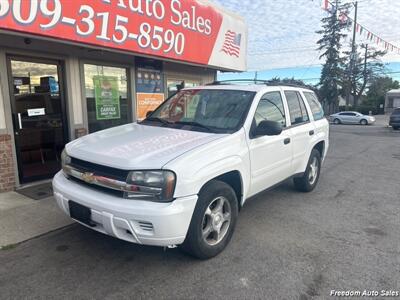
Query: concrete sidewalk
[(22, 218)]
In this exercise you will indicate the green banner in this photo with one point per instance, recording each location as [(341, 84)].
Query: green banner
[(106, 94)]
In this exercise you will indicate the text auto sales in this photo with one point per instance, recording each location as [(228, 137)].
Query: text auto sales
[(87, 21), (150, 8)]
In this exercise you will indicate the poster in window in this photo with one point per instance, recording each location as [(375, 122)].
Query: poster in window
[(149, 90), (106, 94)]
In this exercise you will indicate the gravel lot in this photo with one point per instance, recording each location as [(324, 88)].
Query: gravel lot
[(288, 245)]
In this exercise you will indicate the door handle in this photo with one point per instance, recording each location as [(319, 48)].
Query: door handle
[(311, 132), (286, 141), (19, 121)]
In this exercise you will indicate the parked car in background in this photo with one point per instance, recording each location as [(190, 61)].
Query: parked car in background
[(180, 176), (351, 117), (395, 119)]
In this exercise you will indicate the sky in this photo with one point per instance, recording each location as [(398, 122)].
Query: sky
[(282, 38)]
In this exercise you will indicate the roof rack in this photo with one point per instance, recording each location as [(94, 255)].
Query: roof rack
[(239, 81), (256, 81)]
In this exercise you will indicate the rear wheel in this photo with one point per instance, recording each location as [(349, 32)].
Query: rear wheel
[(336, 121), (309, 180), (396, 128), (364, 122), (213, 221)]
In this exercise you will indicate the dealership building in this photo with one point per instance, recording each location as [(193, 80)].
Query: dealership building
[(69, 68)]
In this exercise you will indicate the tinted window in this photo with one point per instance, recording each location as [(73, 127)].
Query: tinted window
[(315, 106), (270, 108), (297, 109), (396, 112)]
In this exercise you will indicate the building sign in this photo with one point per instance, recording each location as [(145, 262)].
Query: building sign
[(186, 30), (149, 90), (106, 95)]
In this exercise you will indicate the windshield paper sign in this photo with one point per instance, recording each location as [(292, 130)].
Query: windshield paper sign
[(107, 97), (194, 31)]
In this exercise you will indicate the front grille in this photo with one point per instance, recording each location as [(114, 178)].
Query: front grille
[(98, 188), (113, 173)]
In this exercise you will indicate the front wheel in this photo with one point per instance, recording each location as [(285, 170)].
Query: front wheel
[(309, 180), (213, 221), (336, 121), (364, 122)]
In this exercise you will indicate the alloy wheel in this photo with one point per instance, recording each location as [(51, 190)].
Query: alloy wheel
[(216, 221), (313, 172)]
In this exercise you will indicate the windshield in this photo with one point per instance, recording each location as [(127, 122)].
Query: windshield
[(219, 111), (396, 111)]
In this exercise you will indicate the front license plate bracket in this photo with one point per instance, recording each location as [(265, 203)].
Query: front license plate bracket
[(81, 213)]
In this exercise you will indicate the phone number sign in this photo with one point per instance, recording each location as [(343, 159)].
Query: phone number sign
[(177, 29)]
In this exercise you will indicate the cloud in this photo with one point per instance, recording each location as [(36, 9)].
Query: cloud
[(282, 32)]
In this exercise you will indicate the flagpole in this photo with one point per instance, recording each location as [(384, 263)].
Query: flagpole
[(352, 54)]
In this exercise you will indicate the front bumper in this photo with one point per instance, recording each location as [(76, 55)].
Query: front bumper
[(141, 222)]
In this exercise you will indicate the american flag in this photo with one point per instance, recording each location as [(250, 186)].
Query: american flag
[(231, 44)]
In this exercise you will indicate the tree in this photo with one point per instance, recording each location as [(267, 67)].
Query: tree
[(367, 66), (330, 43), (292, 81), (378, 88)]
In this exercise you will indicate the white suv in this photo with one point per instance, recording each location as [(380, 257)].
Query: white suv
[(180, 176)]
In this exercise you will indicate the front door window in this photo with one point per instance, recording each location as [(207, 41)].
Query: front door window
[(38, 115)]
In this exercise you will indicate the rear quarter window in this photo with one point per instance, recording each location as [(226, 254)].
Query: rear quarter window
[(315, 105)]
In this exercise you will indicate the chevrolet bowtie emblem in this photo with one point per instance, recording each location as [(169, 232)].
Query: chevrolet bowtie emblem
[(88, 177)]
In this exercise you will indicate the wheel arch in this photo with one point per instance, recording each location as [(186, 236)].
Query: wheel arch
[(320, 146), (235, 180)]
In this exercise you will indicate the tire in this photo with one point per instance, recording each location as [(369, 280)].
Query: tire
[(308, 182), (395, 128), (336, 121), (364, 122), (200, 244)]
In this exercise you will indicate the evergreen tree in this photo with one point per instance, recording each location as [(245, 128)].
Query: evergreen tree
[(330, 43)]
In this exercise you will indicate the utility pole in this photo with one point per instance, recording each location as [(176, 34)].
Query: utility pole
[(352, 54)]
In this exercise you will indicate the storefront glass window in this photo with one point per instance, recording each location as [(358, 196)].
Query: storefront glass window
[(173, 85), (106, 90)]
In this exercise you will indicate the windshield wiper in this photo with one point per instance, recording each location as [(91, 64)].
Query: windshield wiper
[(157, 119), (196, 124)]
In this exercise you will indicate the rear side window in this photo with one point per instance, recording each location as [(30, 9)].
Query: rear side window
[(315, 106), (270, 108), (297, 109)]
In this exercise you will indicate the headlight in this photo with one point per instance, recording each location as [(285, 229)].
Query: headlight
[(151, 185), (65, 159)]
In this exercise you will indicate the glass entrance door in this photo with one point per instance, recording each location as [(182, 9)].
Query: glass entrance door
[(39, 117)]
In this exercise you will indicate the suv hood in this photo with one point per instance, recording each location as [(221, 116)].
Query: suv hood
[(135, 146)]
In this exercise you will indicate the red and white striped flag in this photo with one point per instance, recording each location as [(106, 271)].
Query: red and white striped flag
[(232, 43), (327, 5)]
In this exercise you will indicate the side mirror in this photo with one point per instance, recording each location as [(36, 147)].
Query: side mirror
[(149, 113), (268, 128)]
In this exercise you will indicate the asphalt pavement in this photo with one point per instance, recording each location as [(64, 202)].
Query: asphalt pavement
[(288, 245)]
